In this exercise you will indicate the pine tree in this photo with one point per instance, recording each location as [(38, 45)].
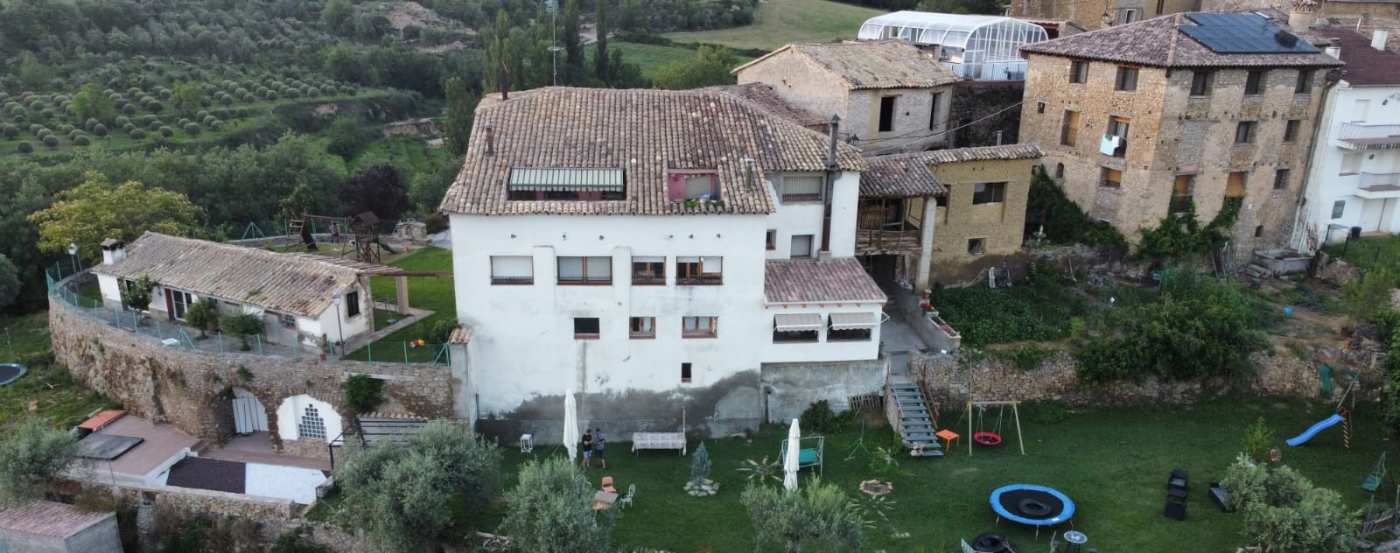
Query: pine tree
[(600, 57), (573, 49)]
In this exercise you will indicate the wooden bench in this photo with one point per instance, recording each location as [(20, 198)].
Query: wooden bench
[(658, 440)]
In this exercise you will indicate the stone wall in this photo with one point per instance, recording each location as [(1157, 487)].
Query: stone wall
[(193, 390), (792, 387), (999, 225), (979, 108)]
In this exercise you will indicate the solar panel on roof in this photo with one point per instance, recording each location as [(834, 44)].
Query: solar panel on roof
[(1242, 33)]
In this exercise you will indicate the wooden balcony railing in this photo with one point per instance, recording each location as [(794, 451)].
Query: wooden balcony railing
[(886, 242)]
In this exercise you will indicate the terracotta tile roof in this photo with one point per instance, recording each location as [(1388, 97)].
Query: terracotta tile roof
[(819, 280), (908, 175), (871, 64), (1366, 66), (101, 420), (299, 284), (47, 518), (645, 132), (767, 99), (1159, 42)]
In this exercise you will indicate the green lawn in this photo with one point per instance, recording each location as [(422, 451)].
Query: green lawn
[(1112, 462), (1380, 252), (779, 22), (433, 293), (46, 390), (652, 57)]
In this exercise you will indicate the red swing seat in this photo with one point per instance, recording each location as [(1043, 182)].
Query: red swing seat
[(987, 439)]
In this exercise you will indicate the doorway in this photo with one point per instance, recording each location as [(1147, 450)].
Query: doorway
[(249, 415)]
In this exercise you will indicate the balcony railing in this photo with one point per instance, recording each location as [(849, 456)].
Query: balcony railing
[(1379, 180), (1362, 130), (879, 241)]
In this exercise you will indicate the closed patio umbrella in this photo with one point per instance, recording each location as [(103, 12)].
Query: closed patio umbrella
[(571, 435), (790, 461)]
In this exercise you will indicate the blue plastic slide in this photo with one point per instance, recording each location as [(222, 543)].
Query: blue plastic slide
[(1313, 430)]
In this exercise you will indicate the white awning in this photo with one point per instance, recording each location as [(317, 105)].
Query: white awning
[(852, 321), (797, 322)]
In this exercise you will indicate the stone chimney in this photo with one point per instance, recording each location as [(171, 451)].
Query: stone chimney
[(113, 251), (1378, 39), (1301, 16)]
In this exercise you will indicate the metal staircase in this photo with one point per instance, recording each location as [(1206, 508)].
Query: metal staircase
[(912, 418)]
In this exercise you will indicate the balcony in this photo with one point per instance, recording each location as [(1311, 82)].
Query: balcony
[(1360, 136), (886, 242), (1379, 185)]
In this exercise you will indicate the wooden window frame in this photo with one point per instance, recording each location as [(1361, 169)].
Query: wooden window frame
[(1281, 178), (512, 281), (1178, 202), (981, 248), (1069, 128), (1249, 128), (1256, 82), (1291, 128), (1078, 72), (633, 332), (1126, 78), (684, 276), (935, 99), (352, 304), (886, 124), (1103, 178), (1202, 82), (1304, 84), (790, 198), (588, 335), (997, 191), (711, 330), (585, 281), (657, 278)]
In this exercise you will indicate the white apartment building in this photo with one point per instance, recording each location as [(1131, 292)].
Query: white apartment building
[(675, 258), (1354, 181)]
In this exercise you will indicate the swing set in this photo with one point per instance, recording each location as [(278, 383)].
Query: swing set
[(976, 414)]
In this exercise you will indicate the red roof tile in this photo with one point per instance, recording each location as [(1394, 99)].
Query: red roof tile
[(819, 280), (46, 518), (101, 420)]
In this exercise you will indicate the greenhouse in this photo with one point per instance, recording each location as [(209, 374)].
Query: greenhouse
[(978, 47)]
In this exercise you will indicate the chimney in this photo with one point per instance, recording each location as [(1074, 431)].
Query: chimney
[(502, 84), (490, 140), (748, 172), (833, 129), (1378, 39), (113, 251)]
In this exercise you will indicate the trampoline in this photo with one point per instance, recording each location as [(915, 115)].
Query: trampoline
[(10, 372), (1032, 505)]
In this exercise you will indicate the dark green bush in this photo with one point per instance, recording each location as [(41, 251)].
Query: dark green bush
[(136, 134), (82, 140), (363, 393), (192, 129), (166, 131), (24, 148), (1048, 210), (51, 141), (818, 417)]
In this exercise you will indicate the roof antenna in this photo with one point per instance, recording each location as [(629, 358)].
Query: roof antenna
[(832, 129), (748, 172), (490, 140)]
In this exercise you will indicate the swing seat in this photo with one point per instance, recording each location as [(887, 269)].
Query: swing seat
[(1371, 483), (987, 439)]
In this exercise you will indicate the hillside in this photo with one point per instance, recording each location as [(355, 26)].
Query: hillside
[(780, 22)]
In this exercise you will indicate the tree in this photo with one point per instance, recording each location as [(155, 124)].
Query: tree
[(347, 137), (709, 67), (337, 15), (187, 99), (30, 458), (1365, 298), (242, 325), (600, 53), (91, 103), (461, 109), (404, 495), (551, 509), (33, 73), (137, 295), (9, 282), (202, 314), (377, 189), (363, 393), (1286, 513), (816, 514), (96, 210), (573, 48)]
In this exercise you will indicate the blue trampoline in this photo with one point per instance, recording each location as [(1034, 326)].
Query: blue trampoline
[(10, 372), (1032, 505)]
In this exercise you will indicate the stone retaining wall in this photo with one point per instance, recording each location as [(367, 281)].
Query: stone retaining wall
[(193, 390)]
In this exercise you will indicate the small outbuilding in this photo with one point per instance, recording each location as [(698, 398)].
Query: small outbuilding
[(49, 527)]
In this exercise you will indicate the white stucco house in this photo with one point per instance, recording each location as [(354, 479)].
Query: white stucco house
[(302, 298), (673, 257), (1354, 180)]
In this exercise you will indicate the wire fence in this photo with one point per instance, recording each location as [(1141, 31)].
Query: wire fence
[(77, 290)]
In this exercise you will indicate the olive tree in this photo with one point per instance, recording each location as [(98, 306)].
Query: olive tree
[(1286, 513), (817, 517), (9, 282), (31, 458), (551, 509)]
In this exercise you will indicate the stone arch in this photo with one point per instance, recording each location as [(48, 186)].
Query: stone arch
[(302, 417), (249, 413)]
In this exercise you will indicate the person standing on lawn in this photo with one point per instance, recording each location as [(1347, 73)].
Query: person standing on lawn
[(598, 444), (587, 449)]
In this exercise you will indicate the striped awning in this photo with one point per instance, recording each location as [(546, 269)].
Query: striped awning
[(853, 321), (797, 322), (585, 179)]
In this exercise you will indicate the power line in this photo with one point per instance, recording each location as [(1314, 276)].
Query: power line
[(945, 131)]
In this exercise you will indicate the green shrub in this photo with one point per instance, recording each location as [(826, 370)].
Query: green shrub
[(153, 125), (51, 141), (9, 131), (363, 393), (1035, 309), (24, 148), (167, 131), (1026, 358), (549, 510), (1181, 236), (818, 515), (1048, 210), (100, 130), (818, 417), (441, 330), (136, 134), (243, 326), (1286, 513), (1258, 440), (137, 294), (82, 140), (192, 129), (203, 315), (32, 456)]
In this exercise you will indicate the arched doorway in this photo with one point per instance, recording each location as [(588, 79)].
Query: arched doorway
[(249, 415)]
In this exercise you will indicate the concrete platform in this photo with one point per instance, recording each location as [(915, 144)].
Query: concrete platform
[(163, 445)]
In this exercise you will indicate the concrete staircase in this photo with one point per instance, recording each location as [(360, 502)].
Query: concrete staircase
[(913, 420)]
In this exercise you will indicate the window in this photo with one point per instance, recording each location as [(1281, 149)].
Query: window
[(1182, 189), (989, 193), (933, 110), (850, 327), (1111, 178), (1040, 107), (1234, 187), (1078, 72), (1338, 208), (699, 327), (685, 373), (585, 270), (1244, 132), (692, 185), (1254, 83), (641, 328), (352, 304), (1290, 130), (512, 269), (976, 246), (568, 184), (699, 270), (287, 321), (1281, 179), (1127, 79), (770, 240), (648, 271), (311, 425), (1059, 170), (1200, 83), (586, 328), (1305, 79), (802, 188), (1127, 15), (1118, 126), (789, 328), (1258, 231), (180, 301), (801, 246), (887, 113), (1351, 163), (1069, 128)]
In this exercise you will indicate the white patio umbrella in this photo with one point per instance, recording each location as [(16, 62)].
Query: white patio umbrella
[(790, 461), (571, 425)]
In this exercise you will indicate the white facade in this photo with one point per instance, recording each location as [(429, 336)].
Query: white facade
[(524, 343), (1351, 183)]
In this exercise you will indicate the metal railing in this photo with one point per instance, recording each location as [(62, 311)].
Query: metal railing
[(1369, 180), (1362, 130)]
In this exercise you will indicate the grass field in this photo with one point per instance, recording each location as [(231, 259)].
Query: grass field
[(779, 22), (434, 293), (47, 390), (652, 57)]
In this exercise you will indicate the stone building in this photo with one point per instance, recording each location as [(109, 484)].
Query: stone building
[(980, 196), (1097, 14), (49, 527), (1140, 121), (889, 95)]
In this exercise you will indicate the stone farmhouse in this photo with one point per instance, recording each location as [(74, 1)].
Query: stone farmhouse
[(1141, 120), (1354, 181)]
